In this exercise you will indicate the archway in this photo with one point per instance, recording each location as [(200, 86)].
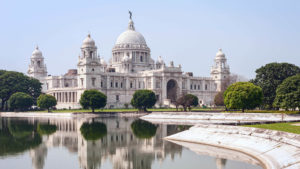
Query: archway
[(172, 90)]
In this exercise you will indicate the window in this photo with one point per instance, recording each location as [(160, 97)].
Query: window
[(117, 98), (121, 85), (141, 58), (116, 84), (93, 81), (158, 85), (91, 54), (191, 87), (139, 85), (205, 86), (131, 85), (157, 97), (198, 87), (81, 81), (101, 84), (194, 87), (39, 63), (93, 69), (111, 84)]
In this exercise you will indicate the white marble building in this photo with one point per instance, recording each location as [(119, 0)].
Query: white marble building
[(131, 68)]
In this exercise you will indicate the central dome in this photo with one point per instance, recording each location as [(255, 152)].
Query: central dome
[(131, 37)]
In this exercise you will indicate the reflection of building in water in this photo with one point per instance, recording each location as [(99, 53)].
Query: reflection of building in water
[(220, 162), (38, 156), (119, 146)]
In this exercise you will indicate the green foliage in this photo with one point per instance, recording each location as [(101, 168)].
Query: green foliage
[(143, 129), (286, 127), (243, 95), (18, 137), (186, 101), (12, 82), (219, 99), (93, 131), (46, 129), (143, 99), (46, 101), (288, 93), (20, 101), (271, 75), (93, 99)]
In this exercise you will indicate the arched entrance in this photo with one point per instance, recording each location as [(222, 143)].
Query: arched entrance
[(172, 90)]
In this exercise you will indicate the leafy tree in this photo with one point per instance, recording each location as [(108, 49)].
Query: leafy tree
[(186, 101), (93, 131), (12, 82), (219, 99), (20, 101), (288, 93), (271, 75), (46, 129), (46, 101), (143, 129), (143, 99), (243, 95), (93, 99)]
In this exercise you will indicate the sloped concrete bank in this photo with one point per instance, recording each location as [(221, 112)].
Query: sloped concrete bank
[(193, 118), (273, 149), (45, 115)]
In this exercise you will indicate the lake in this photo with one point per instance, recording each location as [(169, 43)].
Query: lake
[(102, 142)]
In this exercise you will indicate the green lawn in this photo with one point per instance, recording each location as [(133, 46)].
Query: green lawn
[(264, 111), (287, 127)]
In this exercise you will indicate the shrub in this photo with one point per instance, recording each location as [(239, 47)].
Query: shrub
[(243, 95), (46, 101), (20, 101), (93, 99), (143, 99)]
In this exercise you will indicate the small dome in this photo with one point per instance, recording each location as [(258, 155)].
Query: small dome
[(220, 54), (37, 53), (102, 61), (160, 60), (88, 42)]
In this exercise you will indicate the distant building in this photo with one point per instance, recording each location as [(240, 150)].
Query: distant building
[(131, 68)]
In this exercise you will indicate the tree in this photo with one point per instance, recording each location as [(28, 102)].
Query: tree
[(186, 101), (143, 99), (93, 131), (288, 93), (12, 82), (143, 129), (243, 95), (20, 101), (219, 99), (271, 75), (46, 101), (93, 99)]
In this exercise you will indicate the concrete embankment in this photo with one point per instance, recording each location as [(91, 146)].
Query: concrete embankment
[(193, 118), (274, 149)]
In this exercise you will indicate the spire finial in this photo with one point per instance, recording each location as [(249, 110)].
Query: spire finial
[(37, 47)]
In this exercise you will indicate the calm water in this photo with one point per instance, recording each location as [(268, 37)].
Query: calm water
[(107, 143)]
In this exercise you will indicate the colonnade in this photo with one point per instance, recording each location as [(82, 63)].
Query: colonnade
[(66, 97)]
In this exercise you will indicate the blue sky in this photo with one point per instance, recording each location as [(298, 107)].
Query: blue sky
[(251, 33)]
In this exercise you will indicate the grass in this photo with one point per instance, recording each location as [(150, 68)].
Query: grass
[(265, 111), (286, 127)]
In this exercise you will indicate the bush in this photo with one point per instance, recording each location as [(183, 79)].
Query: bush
[(46, 101), (20, 101), (93, 131), (143, 129), (288, 93), (93, 99), (143, 99), (243, 95), (186, 101)]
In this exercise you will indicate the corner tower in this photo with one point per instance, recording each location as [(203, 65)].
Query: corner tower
[(37, 68), (220, 71), (131, 53)]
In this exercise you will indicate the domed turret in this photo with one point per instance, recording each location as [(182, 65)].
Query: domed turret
[(220, 54), (88, 42), (37, 53)]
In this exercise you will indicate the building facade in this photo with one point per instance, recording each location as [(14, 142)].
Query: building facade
[(131, 68)]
